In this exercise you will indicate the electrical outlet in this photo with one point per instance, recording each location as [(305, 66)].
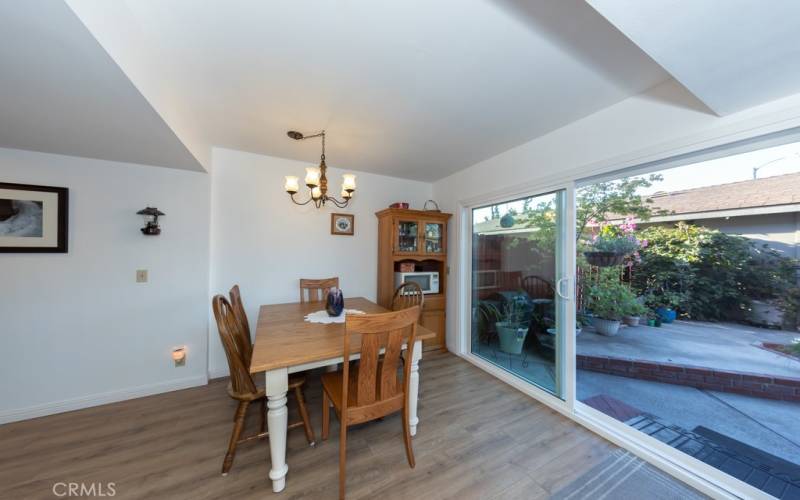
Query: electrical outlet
[(141, 275)]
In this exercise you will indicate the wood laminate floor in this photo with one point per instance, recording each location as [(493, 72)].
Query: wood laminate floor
[(478, 438)]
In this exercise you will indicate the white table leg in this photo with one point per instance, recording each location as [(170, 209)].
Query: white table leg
[(277, 421), (413, 386)]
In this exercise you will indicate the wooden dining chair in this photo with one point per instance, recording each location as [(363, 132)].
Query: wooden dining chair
[(538, 288), (408, 294), (317, 289), (241, 315), (372, 389), (241, 386)]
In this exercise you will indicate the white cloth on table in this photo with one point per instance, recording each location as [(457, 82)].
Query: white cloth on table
[(324, 317)]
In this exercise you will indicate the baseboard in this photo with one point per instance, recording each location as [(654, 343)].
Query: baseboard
[(15, 415)]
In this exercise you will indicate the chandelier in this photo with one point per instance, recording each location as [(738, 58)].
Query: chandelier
[(317, 181)]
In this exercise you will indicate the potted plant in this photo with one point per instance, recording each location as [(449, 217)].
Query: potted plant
[(510, 325), (612, 245), (633, 314), (664, 304), (609, 300)]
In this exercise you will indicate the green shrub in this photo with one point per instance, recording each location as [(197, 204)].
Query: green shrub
[(710, 275)]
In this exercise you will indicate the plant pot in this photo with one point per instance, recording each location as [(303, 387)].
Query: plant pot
[(631, 320), (666, 314), (651, 322), (511, 338), (604, 259), (765, 313), (607, 327)]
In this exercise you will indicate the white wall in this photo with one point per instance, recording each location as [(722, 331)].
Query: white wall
[(265, 243), (661, 123), (76, 329)]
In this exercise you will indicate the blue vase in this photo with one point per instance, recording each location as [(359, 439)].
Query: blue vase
[(335, 304)]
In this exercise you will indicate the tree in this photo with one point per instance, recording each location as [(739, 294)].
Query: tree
[(593, 203), (597, 201)]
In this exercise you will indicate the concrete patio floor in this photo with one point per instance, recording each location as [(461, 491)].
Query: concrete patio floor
[(723, 346)]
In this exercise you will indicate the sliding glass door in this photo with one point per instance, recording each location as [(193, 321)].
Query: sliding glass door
[(519, 287)]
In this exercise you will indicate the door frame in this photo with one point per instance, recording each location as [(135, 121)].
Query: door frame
[(565, 269)]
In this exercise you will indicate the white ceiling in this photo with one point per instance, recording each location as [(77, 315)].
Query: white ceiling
[(412, 89), (60, 92), (731, 54)]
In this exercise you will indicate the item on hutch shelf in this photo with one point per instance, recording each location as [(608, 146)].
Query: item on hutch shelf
[(427, 281), (433, 238), (407, 267), (335, 304), (435, 209), (399, 204)]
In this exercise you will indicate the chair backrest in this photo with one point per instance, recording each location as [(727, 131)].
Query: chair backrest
[(538, 288), (317, 289), (238, 309), (509, 280), (408, 294), (378, 381), (230, 334)]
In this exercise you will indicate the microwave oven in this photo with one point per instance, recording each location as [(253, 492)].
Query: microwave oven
[(427, 281)]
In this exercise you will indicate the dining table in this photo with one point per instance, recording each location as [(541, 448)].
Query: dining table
[(286, 343)]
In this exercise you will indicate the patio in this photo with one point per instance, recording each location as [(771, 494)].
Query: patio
[(719, 346)]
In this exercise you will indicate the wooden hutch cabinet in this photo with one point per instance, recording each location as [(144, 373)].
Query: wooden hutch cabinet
[(418, 239)]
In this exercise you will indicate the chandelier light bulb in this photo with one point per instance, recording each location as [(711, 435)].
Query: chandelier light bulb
[(349, 182), (312, 176), (292, 185)]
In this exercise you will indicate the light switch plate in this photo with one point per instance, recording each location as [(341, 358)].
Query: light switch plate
[(141, 275)]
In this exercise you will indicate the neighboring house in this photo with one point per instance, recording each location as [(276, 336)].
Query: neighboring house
[(766, 210)]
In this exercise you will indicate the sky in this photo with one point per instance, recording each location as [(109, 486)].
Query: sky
[(778, 160), (774, 161)]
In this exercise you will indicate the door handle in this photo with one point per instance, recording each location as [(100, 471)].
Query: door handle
[(559, 290)]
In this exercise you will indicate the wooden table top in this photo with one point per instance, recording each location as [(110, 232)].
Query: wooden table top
[(284, 338)]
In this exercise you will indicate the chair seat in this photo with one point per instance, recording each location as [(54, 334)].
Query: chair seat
[(295, 380)]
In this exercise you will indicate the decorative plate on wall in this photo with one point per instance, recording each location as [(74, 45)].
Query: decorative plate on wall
[(343, 224), (33, 218)]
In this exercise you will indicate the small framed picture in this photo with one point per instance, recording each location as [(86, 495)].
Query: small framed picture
[(343, 224), (33, 218)]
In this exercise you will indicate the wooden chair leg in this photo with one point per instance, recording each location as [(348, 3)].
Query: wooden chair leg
[(342, 459), (326, 416), (407, 438), (241, 412), (263, 409), (301, 405)]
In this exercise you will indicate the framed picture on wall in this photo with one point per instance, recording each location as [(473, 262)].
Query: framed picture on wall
[(343, 224), (33, 218)]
